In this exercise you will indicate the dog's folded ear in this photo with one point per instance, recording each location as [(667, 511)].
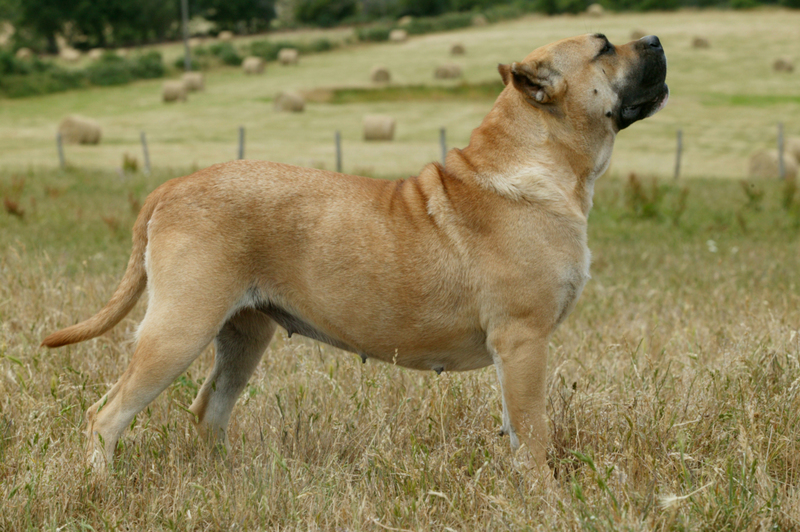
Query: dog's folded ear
[(536, 81)]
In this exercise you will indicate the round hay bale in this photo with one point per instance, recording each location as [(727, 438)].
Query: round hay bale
[(764, 165), (193, 81), (194, 42), (595, 10), (448, 71), (458, 49), (380, 74), (24, 53), (95, 53), (700, 42), (783, 64), (290, 102), (792, 147), (398, 35), (76, 129), (253, 65), (69, 55), (174, 91), (288, 56), (225, 36), (405, 21), (479, 20), (378, 127), (638, 34)]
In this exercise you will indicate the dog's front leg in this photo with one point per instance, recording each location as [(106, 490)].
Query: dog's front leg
[(520, 354)]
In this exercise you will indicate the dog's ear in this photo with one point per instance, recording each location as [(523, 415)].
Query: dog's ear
[(536, 81), (505, 73)]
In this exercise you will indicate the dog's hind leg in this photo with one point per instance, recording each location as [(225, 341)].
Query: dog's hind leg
[(239, 348), (170, 339)]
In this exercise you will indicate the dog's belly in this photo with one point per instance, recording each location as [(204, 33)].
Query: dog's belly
[(462, 353)]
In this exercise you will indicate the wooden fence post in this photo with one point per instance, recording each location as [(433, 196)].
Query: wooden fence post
[(338, 138), (146, 154)]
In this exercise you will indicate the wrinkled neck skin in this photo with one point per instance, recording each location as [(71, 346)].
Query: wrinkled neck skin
[(529, 152)]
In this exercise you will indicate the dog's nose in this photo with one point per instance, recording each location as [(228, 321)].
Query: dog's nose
[(652, 41)]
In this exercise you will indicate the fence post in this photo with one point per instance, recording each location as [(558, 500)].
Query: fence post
[(443, 142), (241, 142), (146, 154), (781, 168), (60, 145), (678, 152), (338, 138)]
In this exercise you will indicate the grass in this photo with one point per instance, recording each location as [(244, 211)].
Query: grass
[(726, 99), (674, 387)]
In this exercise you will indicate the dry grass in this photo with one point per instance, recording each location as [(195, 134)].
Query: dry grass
[(674, 389), (726, 99)]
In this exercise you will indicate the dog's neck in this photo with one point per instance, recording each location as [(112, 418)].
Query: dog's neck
[(526, 154)]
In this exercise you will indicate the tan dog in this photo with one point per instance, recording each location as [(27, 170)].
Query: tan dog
[(458, 268)]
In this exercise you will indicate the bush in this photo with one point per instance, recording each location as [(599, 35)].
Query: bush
[(54, 80), (110, 69), (373, 33), (179, 64), (226, 53), (148, 66), (450, 21), (325, 13)]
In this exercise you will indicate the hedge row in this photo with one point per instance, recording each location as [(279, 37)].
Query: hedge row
[(22, 77)]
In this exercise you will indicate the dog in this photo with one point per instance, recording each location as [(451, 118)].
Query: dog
[(465, 265)]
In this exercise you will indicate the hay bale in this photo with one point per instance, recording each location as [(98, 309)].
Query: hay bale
[(638, 34), (764, 165), (288, 56), (225, 36), (783, 64), (380, 74), (405, 21), (595, 10), (398, 35), (448, 71), (24, 53), (378, 127), (174, 91), (479, 20), (76, 129), (193, 81), (95, 53), (458, 49), (69, 54), (700, 42), (290, 102), (253, 65), (792, 147), (194, 42)]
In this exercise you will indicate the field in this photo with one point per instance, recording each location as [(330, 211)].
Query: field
[(674, 388), (726, 99)]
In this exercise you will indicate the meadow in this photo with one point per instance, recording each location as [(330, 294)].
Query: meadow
[(726, 99), (674, 388)]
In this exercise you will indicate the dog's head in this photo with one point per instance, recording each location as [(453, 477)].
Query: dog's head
[(586, 78)]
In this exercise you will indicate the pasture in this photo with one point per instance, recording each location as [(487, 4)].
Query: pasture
[(726, 99), (674, 386)]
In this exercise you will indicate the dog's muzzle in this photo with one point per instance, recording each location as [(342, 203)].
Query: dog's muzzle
[(645, 92)]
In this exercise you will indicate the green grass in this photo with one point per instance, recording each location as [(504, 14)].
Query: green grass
[(673, 388), (719, 98)]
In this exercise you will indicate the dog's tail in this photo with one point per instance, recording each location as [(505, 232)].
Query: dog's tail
[(126, 295)]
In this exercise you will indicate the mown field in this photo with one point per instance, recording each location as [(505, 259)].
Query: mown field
[(726, 99), (674, 388)]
